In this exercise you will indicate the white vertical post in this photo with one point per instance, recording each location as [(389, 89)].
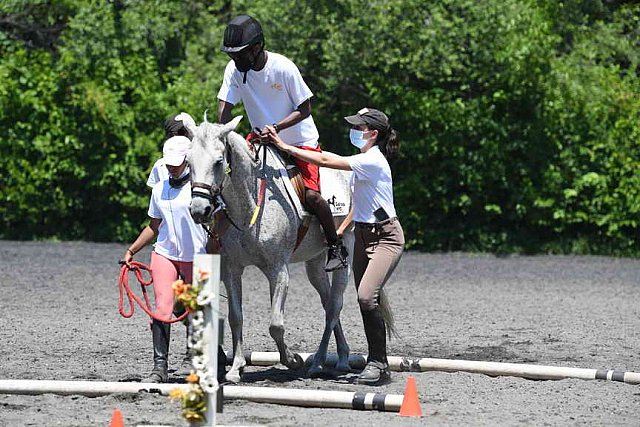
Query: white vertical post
[(205, 263)]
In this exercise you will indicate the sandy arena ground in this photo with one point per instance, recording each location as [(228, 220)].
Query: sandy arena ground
[(60, 322)]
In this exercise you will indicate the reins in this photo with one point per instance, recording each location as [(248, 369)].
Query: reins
[(263, 184), (123, 287)]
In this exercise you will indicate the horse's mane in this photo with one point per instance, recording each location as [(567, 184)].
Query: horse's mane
[(208, 131)]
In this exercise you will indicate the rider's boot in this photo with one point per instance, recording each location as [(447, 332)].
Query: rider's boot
[(377, 370), (337, 256), (337, 253), (161, 333)]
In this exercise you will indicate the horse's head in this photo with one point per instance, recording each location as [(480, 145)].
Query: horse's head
[(208, 162)]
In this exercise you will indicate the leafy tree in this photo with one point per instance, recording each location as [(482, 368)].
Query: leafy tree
[(518, 118)]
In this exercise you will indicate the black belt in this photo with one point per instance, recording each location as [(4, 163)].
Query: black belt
[(376, 225)]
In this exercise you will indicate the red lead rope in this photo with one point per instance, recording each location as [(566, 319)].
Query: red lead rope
[(123, 286)]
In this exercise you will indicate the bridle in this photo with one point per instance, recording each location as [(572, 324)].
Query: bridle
[(212, 193)]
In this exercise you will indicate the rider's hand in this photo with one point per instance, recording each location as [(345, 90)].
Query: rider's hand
[(275, 139), (265, 134)]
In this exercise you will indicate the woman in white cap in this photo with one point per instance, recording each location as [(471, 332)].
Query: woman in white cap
[(379, 236), (179, 238), (174, 125)]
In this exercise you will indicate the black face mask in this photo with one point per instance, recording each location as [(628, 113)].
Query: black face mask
[(244, 63), (179, 182)]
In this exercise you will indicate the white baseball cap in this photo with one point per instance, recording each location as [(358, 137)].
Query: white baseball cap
[(175, 150)]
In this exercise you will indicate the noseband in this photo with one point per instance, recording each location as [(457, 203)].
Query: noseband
[(210, 192), (213, 194)]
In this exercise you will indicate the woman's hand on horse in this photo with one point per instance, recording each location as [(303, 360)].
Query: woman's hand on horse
[(266, 132), (276, 140)]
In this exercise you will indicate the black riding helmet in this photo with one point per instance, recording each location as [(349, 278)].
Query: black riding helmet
[(243, 31), (241, 34)]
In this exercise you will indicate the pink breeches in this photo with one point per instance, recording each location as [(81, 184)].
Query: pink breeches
[(164, 272)]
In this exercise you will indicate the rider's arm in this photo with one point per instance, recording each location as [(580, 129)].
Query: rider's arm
[(224, 111), (146, 236), (322, 159), (299, 114)]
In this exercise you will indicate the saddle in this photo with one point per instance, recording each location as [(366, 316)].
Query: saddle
[(294, 185), (297, 184)]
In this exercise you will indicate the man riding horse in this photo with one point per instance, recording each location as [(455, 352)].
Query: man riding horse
[(276, 98)]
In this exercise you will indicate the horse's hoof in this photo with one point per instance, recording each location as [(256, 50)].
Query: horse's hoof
[(315, 371), (342, 368), (232, 377), (296, 363), (321, 372)]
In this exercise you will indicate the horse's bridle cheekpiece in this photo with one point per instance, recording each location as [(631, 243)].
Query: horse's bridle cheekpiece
[(213, 194)]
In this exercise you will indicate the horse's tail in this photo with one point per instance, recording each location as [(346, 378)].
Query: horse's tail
[(387, 314)]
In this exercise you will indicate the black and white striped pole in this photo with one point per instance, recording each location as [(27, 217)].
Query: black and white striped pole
[(494, 369)]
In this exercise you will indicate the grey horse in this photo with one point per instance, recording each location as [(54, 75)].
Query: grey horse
[(224, 168)]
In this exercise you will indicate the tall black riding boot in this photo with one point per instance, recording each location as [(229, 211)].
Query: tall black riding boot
[(161, 333), (377, 370)]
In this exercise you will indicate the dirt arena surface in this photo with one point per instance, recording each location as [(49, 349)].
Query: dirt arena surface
[(60, 322)]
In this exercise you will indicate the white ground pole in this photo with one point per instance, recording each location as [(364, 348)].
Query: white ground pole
[(210, 293), (494, 369), (281, 396)]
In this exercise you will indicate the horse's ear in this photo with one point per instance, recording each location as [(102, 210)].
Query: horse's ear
[(231, 125), (188, 122)]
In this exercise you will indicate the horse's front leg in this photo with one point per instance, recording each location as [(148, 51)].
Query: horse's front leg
[(278, 278), (232, 278)]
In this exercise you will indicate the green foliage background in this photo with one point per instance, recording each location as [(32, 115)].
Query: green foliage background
[(519, 120)]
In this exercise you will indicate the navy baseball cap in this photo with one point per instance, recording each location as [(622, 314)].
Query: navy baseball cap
[(370, 117)]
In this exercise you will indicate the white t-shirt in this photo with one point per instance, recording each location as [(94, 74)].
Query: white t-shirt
[(372, 185), (179, 237), (271, 94), (158, 173)]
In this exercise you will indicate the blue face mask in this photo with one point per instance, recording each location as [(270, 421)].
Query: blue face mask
[(357, 138)]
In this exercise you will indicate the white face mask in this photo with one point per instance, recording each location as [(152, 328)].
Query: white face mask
[(357, 138)]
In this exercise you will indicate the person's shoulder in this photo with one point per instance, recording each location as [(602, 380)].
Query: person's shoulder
[(230, 70), (372, 156), (231, 67), (156, 191), (280, 61)]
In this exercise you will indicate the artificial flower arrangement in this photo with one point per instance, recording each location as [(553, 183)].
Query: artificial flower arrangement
[(201, 381)]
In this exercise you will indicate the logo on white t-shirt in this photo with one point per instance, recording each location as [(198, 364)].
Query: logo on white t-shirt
[(277, 86)]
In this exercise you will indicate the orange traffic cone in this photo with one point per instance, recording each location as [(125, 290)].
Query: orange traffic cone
[(410, 403), (116, 419)]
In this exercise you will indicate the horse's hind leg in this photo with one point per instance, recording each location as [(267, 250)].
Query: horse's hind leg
[(340, 279), (331, 298), (232, 278), (278, 286), (339, 282)]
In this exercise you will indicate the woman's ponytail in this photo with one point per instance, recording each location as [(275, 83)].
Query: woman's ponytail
[(389, 143)]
